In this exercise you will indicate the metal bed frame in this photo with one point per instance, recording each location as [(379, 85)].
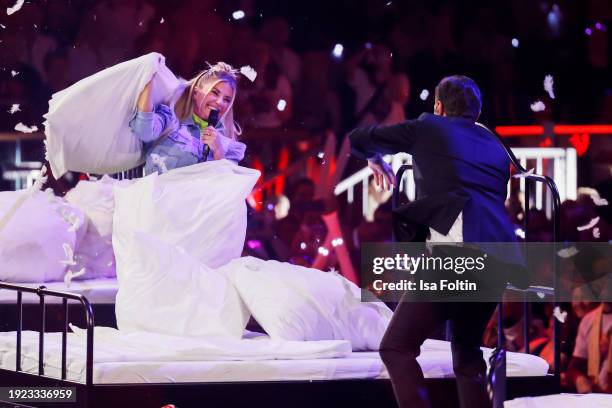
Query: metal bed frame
[(332, 393)]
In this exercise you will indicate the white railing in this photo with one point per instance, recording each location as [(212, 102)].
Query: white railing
[(558, 163)]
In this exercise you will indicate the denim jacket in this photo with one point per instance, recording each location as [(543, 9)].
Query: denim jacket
[(179, 148)]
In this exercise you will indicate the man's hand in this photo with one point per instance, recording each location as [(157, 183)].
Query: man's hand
[(383, 173)]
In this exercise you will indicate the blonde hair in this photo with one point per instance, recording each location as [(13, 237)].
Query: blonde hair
[(205, 81)]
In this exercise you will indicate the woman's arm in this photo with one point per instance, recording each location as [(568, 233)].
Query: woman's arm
[(145, 99), (149, 122)]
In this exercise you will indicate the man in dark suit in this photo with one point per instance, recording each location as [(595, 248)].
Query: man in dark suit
[(461, 173)]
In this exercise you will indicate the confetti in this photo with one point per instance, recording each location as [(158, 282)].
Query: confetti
[(20, 127), (2, 25), (519, 233), (559, 315), (424, 94), (14, 108), (588, 226), (600, 202), (548, 86), (40, 179), (69, 255), (69, 276), (524, 175), (538, 106), (281, 105), (248, 72), (76, 223), (515, 42), (594, 194), (14, 73), (568, 252), (159, 161), (161, 21), (596, 233), (15, 8)]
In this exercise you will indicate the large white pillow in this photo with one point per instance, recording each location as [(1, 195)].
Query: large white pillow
[(163, 289), (87, 126), (291, 302), (37, 236), (200, 208)]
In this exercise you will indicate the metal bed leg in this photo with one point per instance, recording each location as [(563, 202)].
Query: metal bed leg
[(19, 329), (64, 336), (41, 334)]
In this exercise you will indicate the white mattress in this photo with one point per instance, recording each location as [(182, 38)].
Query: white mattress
[(154, 358), (562, 401), (97, 291)]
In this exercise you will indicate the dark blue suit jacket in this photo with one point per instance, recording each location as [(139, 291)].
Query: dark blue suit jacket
[(458, 166)]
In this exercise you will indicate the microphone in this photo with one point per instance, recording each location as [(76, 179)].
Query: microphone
[(213, 119)]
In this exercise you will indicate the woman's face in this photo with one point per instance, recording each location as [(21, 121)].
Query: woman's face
[(219, 98)]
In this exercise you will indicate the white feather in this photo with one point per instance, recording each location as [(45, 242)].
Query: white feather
[(538, 106), (248, 72), (588, 226), (548, 86), (525, 174), (20, 127), (15, 8)]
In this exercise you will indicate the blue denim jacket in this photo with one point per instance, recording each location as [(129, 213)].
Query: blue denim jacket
[(179, 148)]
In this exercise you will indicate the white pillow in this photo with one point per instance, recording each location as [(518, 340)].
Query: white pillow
[(37, 240), (163, 289), (87, 126), (95, 251), (200, 208), (291, 302)]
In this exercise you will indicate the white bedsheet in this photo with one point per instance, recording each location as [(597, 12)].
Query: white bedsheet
[(562, 401), (97, 291), (155, 358)]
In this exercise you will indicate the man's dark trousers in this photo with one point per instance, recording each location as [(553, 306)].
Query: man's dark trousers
[(411, 325)]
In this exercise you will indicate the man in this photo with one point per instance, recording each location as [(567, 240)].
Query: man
[(461, 172)]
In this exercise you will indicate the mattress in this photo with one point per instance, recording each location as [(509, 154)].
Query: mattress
[(97, 291), (155, 358)]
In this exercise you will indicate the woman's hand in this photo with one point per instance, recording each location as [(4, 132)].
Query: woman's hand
[(210, 137)]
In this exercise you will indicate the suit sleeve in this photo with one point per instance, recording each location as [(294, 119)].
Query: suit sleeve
[(369, 141)]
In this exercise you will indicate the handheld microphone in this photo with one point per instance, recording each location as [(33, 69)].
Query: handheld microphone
[(213, 119)]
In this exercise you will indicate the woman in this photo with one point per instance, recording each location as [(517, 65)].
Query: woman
[(178, 135)]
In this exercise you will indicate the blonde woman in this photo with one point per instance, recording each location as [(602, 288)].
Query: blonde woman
[(177, 135)]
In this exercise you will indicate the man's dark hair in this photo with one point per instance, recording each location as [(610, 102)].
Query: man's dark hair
[(460, 96)]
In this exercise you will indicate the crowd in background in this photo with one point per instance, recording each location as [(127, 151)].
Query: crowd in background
[(328, 67)]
